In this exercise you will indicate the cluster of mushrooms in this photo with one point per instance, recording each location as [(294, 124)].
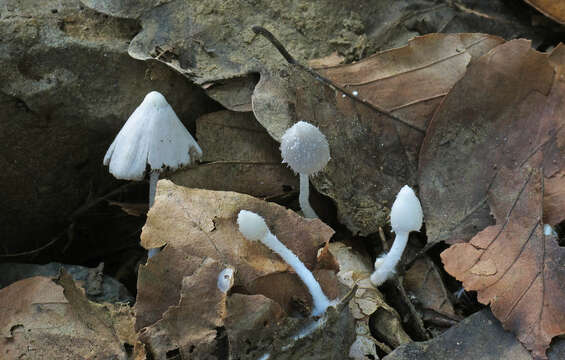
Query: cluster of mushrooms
[(154, 139)]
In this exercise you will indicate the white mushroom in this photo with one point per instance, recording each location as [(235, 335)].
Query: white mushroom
[(253, 227), (405, 216), (305, 149), (153, 135)]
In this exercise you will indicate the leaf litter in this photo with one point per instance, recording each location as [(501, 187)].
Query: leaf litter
[(377, 140), (498, 153), (199, 230)]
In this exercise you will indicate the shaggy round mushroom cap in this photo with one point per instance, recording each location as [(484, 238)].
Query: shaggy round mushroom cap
[(251, 225), (304, 148), (406, 213), (152, 135)]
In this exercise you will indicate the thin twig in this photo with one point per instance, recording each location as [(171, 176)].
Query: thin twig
[(30, 252), (69, 229), (277, 44), (383, 239), (345, 300), (419, 323)]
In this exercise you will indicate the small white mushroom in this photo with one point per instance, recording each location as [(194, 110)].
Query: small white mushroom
[(153, 135), (305, 149), (225, 280), (253, 227), (405, 216)]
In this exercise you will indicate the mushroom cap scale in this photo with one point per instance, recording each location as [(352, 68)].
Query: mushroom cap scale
[(305, 148), (406, 213), (154, 135)]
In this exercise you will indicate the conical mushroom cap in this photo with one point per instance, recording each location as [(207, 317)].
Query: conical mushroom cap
[(406, 213), (304, 148), (152, 135)]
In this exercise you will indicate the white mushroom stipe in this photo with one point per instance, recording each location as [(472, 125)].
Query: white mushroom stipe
[(153, 135), (306, 150), (253, 228), (303, 198), (405, 216), (225, 280)]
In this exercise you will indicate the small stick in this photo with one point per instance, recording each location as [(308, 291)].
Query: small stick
[(277, 44), (383, 239), (347, 298)]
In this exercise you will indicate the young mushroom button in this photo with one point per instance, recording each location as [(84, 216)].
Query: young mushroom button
[(305, 149), (153, 135), (405, 216)]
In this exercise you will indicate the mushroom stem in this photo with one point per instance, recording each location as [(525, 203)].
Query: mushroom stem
[(387, 264), (153, 178), (303, 197), (321, 302)]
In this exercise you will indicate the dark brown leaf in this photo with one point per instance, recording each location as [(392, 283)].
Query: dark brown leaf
[(380, 150), (550, 8), (479, 336), (423, 280), (512, 265), (241, 157), (508, 107), (190, 328)]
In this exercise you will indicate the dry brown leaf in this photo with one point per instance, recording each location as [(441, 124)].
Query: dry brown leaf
[(554, 198), (246, 314), (43, 320), (198, 224), (512, 265), (255, 179), (380, 150), (551, 8), (508, 107), (423, 280), (242, 158), (233, 136), (191, 328), (356, 269)]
